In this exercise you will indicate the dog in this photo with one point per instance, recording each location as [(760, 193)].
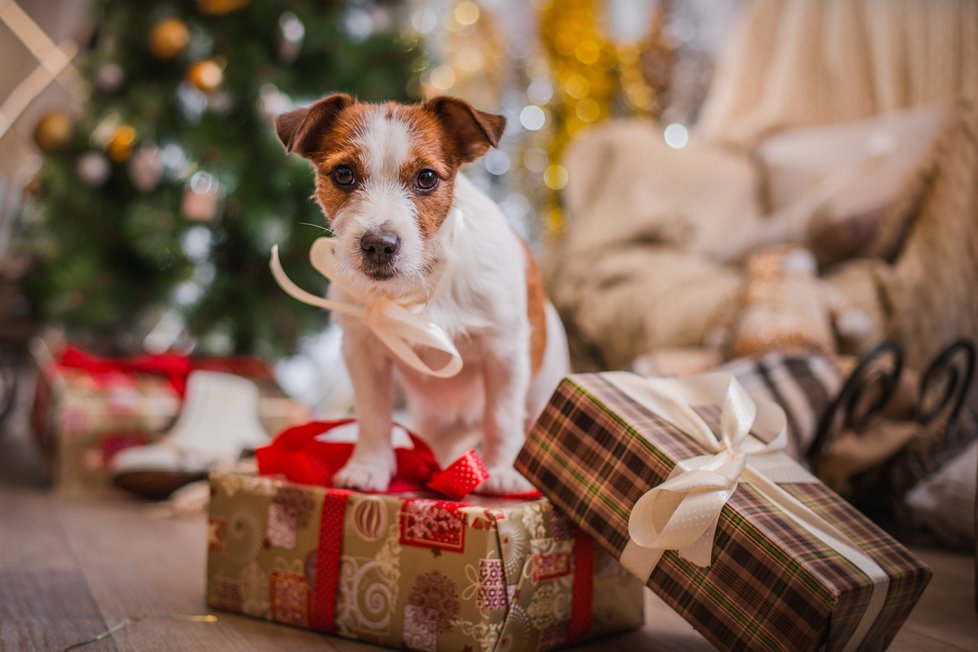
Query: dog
[(407, 224)]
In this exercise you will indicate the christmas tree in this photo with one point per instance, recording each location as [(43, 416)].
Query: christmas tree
[(164, 196)]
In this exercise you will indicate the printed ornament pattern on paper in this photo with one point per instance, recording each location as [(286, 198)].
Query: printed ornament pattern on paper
[(433, 524)]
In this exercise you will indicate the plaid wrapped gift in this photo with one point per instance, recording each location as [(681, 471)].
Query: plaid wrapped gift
[(782, 563), (410, 570), (82, 417)]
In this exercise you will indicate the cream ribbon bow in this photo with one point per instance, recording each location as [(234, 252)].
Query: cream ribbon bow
[(400, 326), (682, 513)]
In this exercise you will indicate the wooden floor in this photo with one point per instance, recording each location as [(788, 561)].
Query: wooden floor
[(70, 569)]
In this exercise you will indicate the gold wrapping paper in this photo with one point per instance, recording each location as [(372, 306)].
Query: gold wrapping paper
[(414, 571)]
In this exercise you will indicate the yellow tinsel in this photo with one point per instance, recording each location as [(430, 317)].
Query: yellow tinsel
[(589, 72)]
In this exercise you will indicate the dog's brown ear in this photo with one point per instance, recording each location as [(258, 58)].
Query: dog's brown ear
[(299, 130), (473, 131)]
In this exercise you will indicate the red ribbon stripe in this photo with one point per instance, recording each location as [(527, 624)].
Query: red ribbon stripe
[(582, 597), (175, 367), (323, 616)]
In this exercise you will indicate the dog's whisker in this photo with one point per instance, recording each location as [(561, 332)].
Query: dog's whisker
[(317, 226)]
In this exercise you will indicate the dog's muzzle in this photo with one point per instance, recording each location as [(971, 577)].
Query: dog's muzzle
[(379, 250)]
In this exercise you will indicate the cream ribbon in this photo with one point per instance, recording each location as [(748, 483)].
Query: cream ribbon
[(682, 513), (401, 326)]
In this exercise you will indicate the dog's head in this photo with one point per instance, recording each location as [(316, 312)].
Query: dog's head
[(385, 176)]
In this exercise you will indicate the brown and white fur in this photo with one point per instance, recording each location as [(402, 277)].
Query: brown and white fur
[(397, 237)]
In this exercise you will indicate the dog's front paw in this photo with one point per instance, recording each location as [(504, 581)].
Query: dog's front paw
[(504, 480), (366, 472)]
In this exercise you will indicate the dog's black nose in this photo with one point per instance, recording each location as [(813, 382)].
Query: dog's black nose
[(379, 247)]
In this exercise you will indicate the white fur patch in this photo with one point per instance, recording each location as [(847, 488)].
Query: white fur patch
[(383, 202), (386, 144)]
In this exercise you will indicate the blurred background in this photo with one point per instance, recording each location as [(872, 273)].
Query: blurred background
[(706, 183), (141, 183)]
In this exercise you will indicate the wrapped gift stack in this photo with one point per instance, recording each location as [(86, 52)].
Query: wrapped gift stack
[(88, 409), (681, 483), (411, 568)]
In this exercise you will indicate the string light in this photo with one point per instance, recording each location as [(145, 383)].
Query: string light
[(442, 78), (573, 78), (424, 20), (466, 12), (675, 135), (533, 118), (497, 162), (555, 176), (471, 53)]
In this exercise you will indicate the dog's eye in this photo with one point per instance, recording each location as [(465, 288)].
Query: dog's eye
[(426, 180), (343, 176)]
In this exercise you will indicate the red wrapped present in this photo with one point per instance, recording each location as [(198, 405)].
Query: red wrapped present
[(87, 408)]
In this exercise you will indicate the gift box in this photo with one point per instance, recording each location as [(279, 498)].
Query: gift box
[(87, 409), (685, 482), (411, 570)]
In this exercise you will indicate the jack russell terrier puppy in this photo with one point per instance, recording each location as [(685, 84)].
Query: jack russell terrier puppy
[(406, 224)]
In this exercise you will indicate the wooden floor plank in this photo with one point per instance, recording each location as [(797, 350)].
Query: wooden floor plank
[(664, 631), (946, 611), (47, 610), (30, 532), (45, 602), (910, 640), (145, 567)]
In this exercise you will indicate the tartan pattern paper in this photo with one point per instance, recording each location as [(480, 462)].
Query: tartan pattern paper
[(771, 586)]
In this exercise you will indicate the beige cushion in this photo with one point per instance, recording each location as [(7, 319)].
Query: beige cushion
[(627, 276), (856, 176), (627, 185)]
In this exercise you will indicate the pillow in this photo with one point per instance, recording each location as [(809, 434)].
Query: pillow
[(628, 188), (857, 179)]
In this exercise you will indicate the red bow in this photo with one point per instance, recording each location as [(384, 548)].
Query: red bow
[(304, 459), (176, 367)]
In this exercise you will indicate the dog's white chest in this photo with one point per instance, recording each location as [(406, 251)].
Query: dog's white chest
[(459, 399)]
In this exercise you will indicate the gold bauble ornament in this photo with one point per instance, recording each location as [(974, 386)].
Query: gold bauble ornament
[(219, 7), (169, 38), (120, 146), (53, 132), (206, 75)]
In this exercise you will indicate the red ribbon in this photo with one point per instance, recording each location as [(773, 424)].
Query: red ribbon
[(299, 455), (323, 608), (582, 596), (174, 366)]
